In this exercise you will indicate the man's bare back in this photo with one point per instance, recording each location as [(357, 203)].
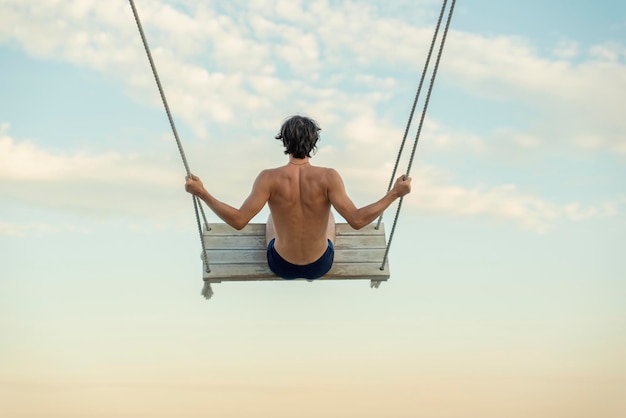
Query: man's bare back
[(300, 197), (300, 210)]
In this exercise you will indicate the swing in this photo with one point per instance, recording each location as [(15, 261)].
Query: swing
[(240, 255)]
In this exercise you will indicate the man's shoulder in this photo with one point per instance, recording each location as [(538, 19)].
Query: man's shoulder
[(271, 172), (321, 168), (329, 171)]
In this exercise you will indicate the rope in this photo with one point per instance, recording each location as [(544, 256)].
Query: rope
[(419, 129), (196, 202), (412, 113)]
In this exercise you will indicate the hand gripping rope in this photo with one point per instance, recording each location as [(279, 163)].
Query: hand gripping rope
[(196, 201), (421, 123)]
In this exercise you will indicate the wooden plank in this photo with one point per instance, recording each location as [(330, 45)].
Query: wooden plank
[(225, 229), (242, 242), (359, 242), (255, 272), (241, 255), (237, 257), (259, 229), (345, 229), (247, 256), (361, 255), (252, 242), (239, 272), (369, 271)]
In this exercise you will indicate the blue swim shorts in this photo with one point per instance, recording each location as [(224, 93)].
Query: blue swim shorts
[(284, 269)]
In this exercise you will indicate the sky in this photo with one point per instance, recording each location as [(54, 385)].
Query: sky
[(507, 286)]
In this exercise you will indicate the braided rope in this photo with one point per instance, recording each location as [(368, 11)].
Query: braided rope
[(421, 123), (415, 100), (196, 201)]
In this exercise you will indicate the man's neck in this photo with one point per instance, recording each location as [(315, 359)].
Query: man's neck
[(298, 161)]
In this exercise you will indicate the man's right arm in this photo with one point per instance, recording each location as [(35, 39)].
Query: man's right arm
[(357, 218)]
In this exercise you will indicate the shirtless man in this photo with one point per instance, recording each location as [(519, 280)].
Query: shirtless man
[(300, 231)]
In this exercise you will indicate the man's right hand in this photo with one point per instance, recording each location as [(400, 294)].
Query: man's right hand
[(402, 186), (194, 185)]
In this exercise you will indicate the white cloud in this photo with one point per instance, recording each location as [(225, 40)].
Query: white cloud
[(441, 138), (152, 187), (274, 58), (505, 202), (99, 184), (271, 55), (24, 161), (608, 52), (434, 190), (567, 49), (572, 97), (209, 62), (25, 229)]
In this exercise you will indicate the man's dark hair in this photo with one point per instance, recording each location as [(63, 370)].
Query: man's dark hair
[(299, 135)]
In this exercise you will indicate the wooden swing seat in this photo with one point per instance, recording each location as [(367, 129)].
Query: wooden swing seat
[(242, 255)]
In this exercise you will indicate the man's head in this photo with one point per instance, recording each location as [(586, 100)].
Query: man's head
[(299, 135)]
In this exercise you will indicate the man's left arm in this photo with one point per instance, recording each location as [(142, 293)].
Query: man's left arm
[(237, 218)]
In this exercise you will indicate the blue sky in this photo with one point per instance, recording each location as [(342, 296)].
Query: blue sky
[(507, 287)]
